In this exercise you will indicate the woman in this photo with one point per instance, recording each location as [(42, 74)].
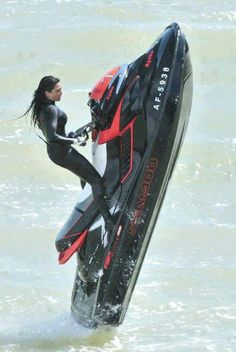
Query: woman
[(51, 120)]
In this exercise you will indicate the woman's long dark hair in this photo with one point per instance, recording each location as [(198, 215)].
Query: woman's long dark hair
[(47, 83)]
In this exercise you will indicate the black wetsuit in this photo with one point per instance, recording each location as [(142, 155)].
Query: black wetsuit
[(52, 123)]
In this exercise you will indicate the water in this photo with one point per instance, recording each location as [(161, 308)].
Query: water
[(185, 296)]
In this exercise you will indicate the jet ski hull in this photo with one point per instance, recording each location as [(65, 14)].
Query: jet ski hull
[(155, 133)]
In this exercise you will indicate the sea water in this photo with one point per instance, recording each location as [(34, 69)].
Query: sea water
[(184, 300)]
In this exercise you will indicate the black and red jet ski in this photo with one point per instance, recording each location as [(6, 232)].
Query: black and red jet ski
[(140, 112)]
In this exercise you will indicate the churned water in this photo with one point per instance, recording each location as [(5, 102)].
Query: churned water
[(185, 296)]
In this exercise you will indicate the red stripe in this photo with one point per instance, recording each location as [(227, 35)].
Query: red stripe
[(65, 255), (114, 131), (107, 261), (131, 126), (113, 249)]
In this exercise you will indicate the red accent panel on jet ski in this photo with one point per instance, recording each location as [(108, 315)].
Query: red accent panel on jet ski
[(113, 249), (101, 86), (129, 127), (65, 255), (107, 261), (112, 132)]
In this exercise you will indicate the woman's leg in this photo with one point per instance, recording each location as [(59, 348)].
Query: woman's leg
[(79, 165)]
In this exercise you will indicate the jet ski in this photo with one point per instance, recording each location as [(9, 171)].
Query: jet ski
[(140, 113)]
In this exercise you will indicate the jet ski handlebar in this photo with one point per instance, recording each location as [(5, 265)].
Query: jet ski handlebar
[(89, 127), (84, 130)]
